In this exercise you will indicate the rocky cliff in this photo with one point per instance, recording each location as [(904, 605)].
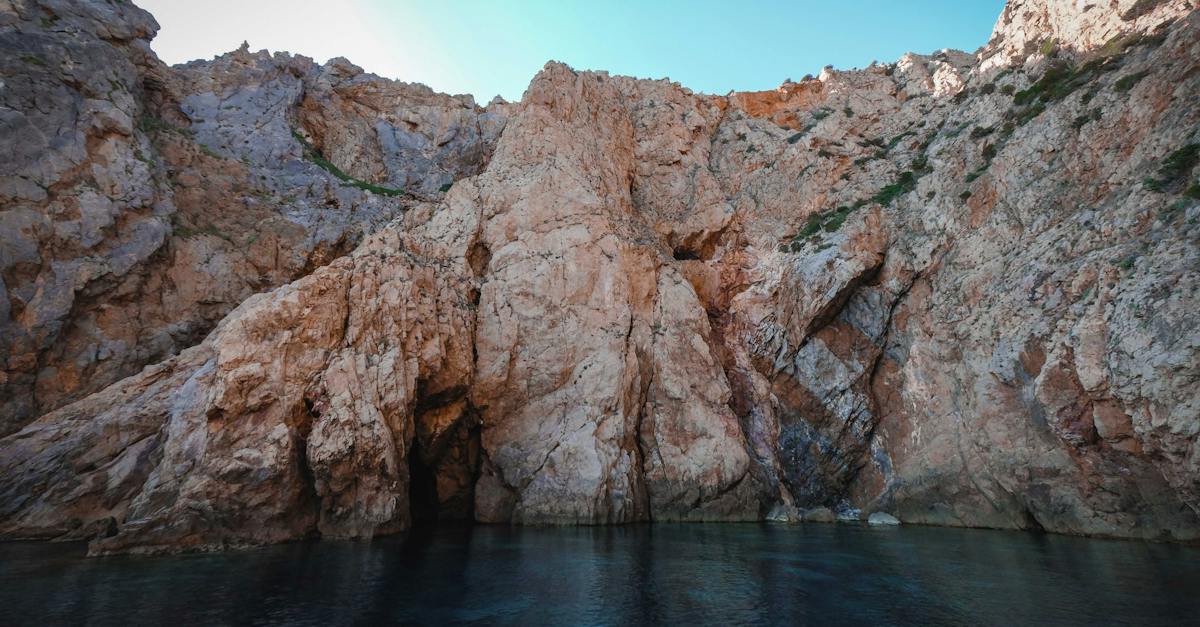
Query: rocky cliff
[(254, 299)]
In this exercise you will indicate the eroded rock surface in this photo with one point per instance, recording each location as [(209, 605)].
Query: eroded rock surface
[(958, 289), (139, 204)]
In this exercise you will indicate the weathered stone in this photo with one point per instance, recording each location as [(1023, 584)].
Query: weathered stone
[(961, 294), (140, 204), (882, 519), (819, 514)]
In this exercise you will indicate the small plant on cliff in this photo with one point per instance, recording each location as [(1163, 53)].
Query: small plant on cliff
[(827, 221), (981, 131), (906, 182), (1173, 173), (1093, 116), (150, 124), (1058, 82), (1126, 83), (209, 152), (314, 156), (897, 139)]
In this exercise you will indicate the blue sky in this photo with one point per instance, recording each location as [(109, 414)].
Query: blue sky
[(489, 48)]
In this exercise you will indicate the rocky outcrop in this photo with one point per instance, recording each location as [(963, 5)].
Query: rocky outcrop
[(1028, 27), (953, 290), (141, 203)]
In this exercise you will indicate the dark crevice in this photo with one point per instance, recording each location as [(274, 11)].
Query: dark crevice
[(308, 482), (478, 258), (1031, 521), (422, 489), (682, 253), (444, 464), (427, 401)]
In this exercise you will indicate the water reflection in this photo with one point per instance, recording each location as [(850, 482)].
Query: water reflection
[(686, 573)]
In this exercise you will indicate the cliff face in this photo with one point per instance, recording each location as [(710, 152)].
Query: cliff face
[(961, 289), (141, 203)]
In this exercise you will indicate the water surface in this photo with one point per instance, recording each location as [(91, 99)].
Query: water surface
[(724, 574)]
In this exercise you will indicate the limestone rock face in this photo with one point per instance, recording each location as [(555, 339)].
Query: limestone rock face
[(139, 204), (958, 289), (1026, 27)]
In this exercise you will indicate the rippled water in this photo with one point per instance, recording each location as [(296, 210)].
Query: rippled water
[(694, 573)]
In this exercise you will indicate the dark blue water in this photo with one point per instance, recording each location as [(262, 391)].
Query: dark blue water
[(697, 573)]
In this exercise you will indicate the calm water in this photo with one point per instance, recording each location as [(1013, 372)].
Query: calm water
[(698, 574)]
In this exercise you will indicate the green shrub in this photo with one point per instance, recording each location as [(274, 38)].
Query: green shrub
[(1020, 116), (837, 218), (1172, 174), (981, 131), (1127, 82), (827, 221), (897, 139), (1180, 162), (1168, 213), (812, 227), (904, 184), (1061, 80), (150, 124)]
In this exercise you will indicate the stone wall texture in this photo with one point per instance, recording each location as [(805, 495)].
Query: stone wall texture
[(255, 298)]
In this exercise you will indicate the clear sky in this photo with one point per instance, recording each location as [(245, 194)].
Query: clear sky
[(489, 48)]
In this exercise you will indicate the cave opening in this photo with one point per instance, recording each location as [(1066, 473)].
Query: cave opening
[(681, 253), (422, 490)]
